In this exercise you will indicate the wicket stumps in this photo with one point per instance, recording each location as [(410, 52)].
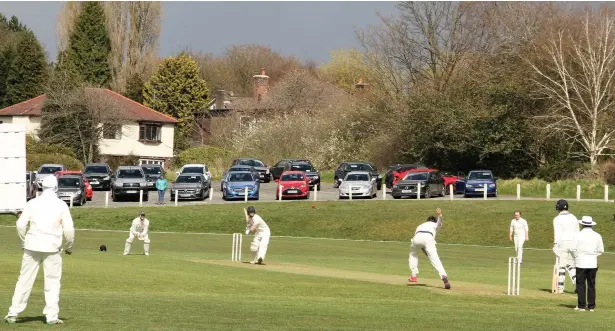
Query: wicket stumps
[(237, 244), (514, 275)]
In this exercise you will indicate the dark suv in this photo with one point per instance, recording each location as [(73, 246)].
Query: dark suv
[(347, 167), (279, 167), (430, 180), (99, 175), (262, 169), (310, 172)]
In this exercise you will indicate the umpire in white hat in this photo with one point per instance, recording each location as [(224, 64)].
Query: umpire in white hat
[(588, 245)]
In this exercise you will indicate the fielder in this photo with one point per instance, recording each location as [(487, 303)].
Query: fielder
[(425, 240), (49, 220), (520, 230), (565, 229), (139, 229), (261, 235)]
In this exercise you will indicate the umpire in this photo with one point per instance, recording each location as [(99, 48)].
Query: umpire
[(588, 245)]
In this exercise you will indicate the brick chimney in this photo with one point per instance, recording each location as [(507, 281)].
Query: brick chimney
[(361, 88), (222, 101), (261, 85)]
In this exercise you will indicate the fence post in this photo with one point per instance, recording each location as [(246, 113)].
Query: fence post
[(350, 192), (176, 198), (280, 193), (485, 191), (578, 192), (245, 196), (548, 191), (384, 191), (316, 192), (140, 198), (72, 196), (106, 199), (451, 191), (606, 192), (418, 192), (211, 194), (518, 191)]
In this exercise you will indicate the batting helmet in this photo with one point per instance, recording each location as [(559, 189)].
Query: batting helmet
[(103, 248), (251, 210), (561, 205)]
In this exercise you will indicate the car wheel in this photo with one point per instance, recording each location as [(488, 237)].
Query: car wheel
[(146, 196), (427, 193), (443, 192), (335, 183), (396, 197), (113, 197)]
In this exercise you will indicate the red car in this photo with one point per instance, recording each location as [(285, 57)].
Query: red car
[(450, 179), (89, 192), (293, 184)]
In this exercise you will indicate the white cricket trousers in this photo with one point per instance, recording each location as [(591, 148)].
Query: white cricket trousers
[(424, 242), (519, 240), (52, 268), (259, 244), (566, 263)]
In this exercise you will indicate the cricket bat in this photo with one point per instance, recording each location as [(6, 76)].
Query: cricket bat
[(245, 212), (555, 277)]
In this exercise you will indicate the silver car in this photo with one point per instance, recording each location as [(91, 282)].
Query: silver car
[(128, 181), (191, 186), (72, 187), (47, 170), (359, 184)]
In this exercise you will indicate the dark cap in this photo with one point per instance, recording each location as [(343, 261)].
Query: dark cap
[(142, 213), (561, 205), (251, 210)]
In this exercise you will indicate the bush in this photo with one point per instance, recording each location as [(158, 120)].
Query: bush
[(608, 172), (217, 159), (34, 161), (115, 161), (32, 147), (558, 171)]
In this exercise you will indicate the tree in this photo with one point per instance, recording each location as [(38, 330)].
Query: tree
[(177, 90), (134, 88), (28, 71), (346, 68), (577, 79), (16, 26), (89, 46)]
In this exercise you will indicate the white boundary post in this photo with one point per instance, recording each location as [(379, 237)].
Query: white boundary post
[(548, 191), (606, 193), (176, 198), (485, 191), (140, 198), (518, 191), (280, 193), (245, 197), (106, 199), (72, 196), (578, 192), (450, 189), (316, 192), (384, 191), (418, 192), (350, 192)]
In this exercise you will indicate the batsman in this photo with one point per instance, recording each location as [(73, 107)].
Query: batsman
[(255, 224), (565, 229)]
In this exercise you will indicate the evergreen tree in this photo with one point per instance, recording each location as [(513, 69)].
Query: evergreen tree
[(16, 26), (134, 88), (27, 73), (89, 45)]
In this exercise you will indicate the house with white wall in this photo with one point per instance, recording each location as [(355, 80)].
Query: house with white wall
[(136, 130)]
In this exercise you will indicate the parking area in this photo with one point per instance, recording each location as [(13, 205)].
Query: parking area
[(267, 194)]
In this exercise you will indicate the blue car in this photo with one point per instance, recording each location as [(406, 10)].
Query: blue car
[(236, 184), (474, 184)]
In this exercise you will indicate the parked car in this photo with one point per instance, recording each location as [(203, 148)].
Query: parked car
[(89, 192), (128, 181), (358, 184), (31, 188), (99, 175), (195, 169), (152, 173), (72, 187), (431, 182), (310, 172), (47, 170), (235, 169), (474, 184), (398, 172), (293, 184), (451, 180), (191, 186), (277, 170), (347, 167), (236, 183), (263, 170)]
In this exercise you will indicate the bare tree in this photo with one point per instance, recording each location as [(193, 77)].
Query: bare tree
[(577, 79), (117, 23), (66, 22)]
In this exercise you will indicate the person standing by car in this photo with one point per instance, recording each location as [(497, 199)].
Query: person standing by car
[(519, 228), (161, 185), (587, 247)]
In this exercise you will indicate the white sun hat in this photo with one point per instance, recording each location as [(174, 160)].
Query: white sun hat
[(587, 221)]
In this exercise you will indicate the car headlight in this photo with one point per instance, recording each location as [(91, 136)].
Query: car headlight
[(469, 185), (107, 178), (267, 171), (303, 185), (143, 184), (491, 185), (367, 186), (395, 187)]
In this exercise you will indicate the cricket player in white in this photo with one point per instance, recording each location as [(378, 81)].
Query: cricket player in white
[(565, 229), (139, 229), (520, 232), (50, 221), (261, 236), (425, 240)]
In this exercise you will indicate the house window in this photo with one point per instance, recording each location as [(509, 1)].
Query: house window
[(150, 161), (112, 131), (149, 132)]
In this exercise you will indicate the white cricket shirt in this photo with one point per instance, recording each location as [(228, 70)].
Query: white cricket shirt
[(259, 225), (565, 227), (139, 227), (50, 220), (588, 245), (519, 227), (429, 227)]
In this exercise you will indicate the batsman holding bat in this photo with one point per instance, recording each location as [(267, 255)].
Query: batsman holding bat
[(565, 229), (139, 229), (255, 224)]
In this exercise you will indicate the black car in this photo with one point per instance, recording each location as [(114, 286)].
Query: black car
[(389, 177), (99, 176), (278, 168), (152, 173), (308, 168), (262, 169), (347, 167)]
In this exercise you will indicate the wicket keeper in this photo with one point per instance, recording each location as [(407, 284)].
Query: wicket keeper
[(139, 229), (261, 236)]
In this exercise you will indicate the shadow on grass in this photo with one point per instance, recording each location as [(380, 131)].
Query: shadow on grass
[(29, 319), (567, 306), (421, 285)]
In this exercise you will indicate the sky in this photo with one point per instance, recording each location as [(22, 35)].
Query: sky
[(306, 30)]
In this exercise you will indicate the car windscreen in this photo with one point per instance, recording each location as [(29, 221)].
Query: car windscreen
[(194, 170), (254, 163), (188, 179), (151, 170), (416, 176), (292, 177), (358, 167), (302, 167), (357, 178), (49, 170), (130, 173), (480, 175), (68, 182), (240, 169), (240, 177), (96, 169)]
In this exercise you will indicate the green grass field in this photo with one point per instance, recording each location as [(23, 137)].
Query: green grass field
[(189, 282)]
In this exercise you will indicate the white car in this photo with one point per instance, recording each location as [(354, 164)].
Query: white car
[(195, 169), (360, 183)]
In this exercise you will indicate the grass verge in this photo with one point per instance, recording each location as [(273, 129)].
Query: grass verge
[(590, 189)]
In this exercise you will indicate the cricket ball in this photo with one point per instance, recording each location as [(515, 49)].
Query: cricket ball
[(313, 206)]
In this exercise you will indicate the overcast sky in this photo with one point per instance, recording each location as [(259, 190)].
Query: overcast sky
[(307, 30)]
